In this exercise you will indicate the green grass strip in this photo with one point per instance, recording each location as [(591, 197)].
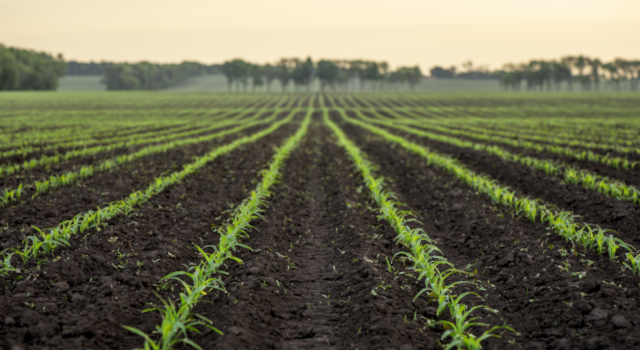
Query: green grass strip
[(177, 317), (422, 252), (48, 240), (588, 236)]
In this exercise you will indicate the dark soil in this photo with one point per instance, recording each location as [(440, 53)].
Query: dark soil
[(317, 276), (44, 171), (365, 103), (64, 203), (81, 300), (316, 100), (517, 261), (349, 103), (112, 133), (308, 284), (593, 207), (18, 158), (305, 101), (632, 156), (333, 101)]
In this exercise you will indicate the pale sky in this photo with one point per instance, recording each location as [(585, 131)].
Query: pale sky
[(402, 32)]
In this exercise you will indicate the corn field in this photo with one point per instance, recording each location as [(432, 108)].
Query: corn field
[(368, 220)]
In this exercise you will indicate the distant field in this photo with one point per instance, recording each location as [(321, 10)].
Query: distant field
[(219, 83), (81, 83), (202, 83)]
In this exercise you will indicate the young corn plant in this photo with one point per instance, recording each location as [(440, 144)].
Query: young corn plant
[(463, 321), (421, 250), (6, 267), (562, 223), (93, 219), (633, 263), (69, 178), (178, 318), (609, 187), (11, 196)]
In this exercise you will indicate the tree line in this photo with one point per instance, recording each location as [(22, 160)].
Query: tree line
[(149, 76), (575, 72), (469, 72), (29, 70), (333, 74), (81, 68)]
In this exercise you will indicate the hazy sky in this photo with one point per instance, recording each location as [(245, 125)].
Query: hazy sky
[(403, 32)]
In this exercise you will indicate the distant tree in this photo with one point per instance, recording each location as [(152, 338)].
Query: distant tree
[(270, 73), (410, 75), (372, 72), (595, 64), (560, 72), (284, 72), (580, 63), (228, 70), (342, 78), (327, 73), (149, 76), (237, 71), (256, 77), (627, 71), (569, 62), (441, 73), (614, 75), (512, 76), (472, 72), (357, 69), (302, 72), (214, 69), (120, 77), (81, 68), (384, 72), (468, 66), (395, 78), (29, 70), (635, 74)]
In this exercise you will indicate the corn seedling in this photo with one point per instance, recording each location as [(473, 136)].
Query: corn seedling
[(421, 250), (178, 319), (563, 223)]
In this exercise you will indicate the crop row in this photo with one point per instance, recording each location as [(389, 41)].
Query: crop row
[(10, 169), (48, 135), (423, 253), (48, 240), (613, 129), (615, 162), (563, 223), (79, 136), (177, 318), (590, 135), (551, 136), (82, 134), (55, 181), (26, 150), (609, 187)]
